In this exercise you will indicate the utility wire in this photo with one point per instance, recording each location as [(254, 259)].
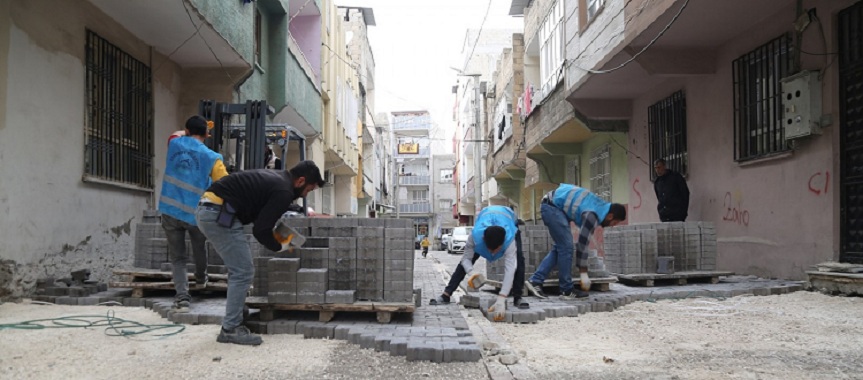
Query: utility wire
[(197, 31), (673, 19), (476, 42)]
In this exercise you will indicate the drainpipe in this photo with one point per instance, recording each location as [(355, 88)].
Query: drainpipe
[(798, 41)]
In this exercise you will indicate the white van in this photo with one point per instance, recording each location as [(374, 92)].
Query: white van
[(458, 239)]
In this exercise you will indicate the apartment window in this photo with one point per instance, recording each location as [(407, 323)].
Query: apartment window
[(446, 175), (587, 12), (503, 122), (119, 125), (600, 172), (552, 49), (258, 36), (445, 204), (758, 110), (666, 121), (418, 196), (573, 174), (593, 7)]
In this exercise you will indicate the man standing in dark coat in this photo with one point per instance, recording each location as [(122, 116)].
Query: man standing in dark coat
[(671, 192)]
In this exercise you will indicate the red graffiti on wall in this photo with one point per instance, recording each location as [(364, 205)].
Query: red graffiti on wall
[(637, 194), (815, 183), (734, 212)]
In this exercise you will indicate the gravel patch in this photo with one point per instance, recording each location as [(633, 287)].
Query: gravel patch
[(348, 361), (88, 353), (801, 335)]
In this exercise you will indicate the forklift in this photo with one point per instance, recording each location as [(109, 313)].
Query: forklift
[(250, 138)]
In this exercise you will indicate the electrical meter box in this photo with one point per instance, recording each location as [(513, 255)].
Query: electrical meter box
[(801, 102)]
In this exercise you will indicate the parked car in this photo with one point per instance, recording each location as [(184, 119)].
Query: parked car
[(458, 239), (444, 241)]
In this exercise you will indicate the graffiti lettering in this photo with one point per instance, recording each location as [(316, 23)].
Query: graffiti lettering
[(735, 213), (637, 194), (815, 183)]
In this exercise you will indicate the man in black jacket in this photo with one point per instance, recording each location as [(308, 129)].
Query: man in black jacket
[(261, 197), (671, 192)]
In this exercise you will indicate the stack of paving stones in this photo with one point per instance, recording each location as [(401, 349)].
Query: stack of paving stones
[(635, 248), (431, 333), (151, 247), (536, 243), (353, 259)]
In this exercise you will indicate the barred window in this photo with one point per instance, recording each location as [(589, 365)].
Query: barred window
[(758, 127), (600, 172), (666, 121), (119, 125)]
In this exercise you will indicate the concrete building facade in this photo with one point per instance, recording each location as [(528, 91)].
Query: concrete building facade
[(443, 197), (99, 86), (731, 100), (341, 117), (480, 51), (367, 181), (412, 164)]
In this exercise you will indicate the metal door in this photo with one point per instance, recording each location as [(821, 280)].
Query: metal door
[(851, 130)]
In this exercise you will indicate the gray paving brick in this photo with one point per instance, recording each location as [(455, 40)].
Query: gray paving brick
[(210, 319), (340, 296), (282, 326), (184, 318), (425, 351), (319, 331), (66, 300)]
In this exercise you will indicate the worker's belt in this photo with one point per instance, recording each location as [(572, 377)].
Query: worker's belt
[(210, 205), (547, 200)]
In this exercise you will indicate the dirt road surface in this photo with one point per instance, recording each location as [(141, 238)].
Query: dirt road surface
[(801, 335)]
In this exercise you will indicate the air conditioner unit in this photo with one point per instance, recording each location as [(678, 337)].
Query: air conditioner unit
[(801, 104)]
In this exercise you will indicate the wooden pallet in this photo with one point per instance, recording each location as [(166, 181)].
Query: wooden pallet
[(678, 278), (140, 280), (599, 284), (326, 311)]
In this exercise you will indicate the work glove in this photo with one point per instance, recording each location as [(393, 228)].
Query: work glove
[(498, 309), (475, 282), (585, 281)]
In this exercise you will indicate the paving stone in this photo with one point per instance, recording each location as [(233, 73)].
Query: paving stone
[(341, 332), (382, 343), (281, 326), (425, 351), (184, 318), (66, 300), (319, 331), (210, 319), (398, 347)]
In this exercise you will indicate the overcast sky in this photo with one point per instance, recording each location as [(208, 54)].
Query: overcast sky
[(414, 44)]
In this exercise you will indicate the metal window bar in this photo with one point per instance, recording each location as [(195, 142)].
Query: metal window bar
[(118, 130), (758, 129), (666, 122), (600, 172)]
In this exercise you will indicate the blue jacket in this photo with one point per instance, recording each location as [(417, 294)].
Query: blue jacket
[(187, 176), (575, 201), (494, 216)]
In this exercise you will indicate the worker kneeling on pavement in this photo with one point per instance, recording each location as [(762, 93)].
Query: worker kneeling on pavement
[(495, 235), (261, 197)]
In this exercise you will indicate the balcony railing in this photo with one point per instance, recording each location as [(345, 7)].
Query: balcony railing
[(414, 180), (417, 208)]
